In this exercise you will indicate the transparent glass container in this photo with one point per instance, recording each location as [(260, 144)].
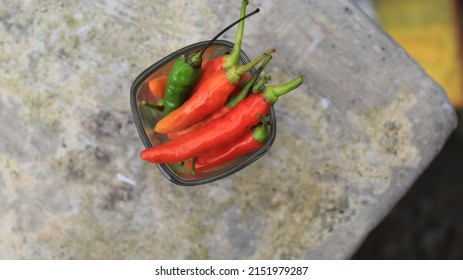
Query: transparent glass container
[(146, 118)]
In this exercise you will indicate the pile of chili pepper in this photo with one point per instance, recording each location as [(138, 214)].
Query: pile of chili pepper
[(213, 111)]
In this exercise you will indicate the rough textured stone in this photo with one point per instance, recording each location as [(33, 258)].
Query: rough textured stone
[(350, 141)]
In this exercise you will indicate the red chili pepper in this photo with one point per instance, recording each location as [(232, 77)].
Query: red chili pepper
[(215, 64), (248, 143), (224, 129), (232, 101), (211, 66), (217, 114)]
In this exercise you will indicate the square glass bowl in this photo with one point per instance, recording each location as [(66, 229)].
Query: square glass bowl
[(146, 118)]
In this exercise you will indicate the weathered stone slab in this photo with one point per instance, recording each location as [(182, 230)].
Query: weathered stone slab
[(350, 141)]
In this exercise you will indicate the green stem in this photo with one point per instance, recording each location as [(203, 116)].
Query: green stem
[(231, 103), (274, 92), (262, 81), (193, 170), (151, 106), (234, 73), (260, 132), (240, 70), (233, 58)]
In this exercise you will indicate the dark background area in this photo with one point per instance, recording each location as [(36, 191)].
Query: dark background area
[(427, 223)]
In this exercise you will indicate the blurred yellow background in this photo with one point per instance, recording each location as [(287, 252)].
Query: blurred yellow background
[(428, 31)]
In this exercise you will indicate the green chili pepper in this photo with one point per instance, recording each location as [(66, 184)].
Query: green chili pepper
[(185, 72)]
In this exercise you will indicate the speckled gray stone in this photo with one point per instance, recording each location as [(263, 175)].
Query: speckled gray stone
[(350, 142)]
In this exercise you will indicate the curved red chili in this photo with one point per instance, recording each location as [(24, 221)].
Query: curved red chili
[(215, 115), (224, 129), (248, 143)]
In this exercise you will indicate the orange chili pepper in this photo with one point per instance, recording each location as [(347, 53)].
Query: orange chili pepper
[(157, 86)]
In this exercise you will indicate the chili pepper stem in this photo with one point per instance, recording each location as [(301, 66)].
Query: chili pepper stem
[(272, 93), (192, 170), (259, 133), (262, 81), (244, 92), (246, 68), (156, 108), (234, 73), (194, 59), (233, 58)]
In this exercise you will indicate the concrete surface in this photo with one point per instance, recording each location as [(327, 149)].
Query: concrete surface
[(350, 141)]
